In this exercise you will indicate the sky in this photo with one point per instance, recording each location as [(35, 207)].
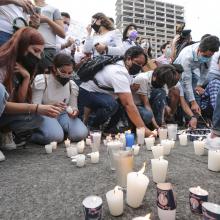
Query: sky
[(201, 16)]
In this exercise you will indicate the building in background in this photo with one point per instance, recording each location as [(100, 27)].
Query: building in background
[(156, 20)]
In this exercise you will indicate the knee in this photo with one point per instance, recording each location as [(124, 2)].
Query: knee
[(147, 116)]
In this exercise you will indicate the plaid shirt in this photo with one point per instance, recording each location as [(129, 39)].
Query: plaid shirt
[(210, 95)]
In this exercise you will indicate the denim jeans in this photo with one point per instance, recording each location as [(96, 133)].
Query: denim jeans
[(216, 116), (3, 98), (53, 129), (104, 105), (158, 103), (146, 115), (4, 37)]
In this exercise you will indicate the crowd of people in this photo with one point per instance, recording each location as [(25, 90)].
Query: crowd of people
[(38, 81)]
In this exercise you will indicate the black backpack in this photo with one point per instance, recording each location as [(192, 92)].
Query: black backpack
[(88, 70)]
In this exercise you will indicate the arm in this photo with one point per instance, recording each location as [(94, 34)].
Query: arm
[(27, 5), (173, 47), (146, 103), (38, 89), (74, 95), (132, 111), (88, 45)]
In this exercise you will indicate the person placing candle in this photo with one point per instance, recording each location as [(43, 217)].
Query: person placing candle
[(137, 184), (115, 201), (159, 169)]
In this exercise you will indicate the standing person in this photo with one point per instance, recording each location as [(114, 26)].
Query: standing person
[(106, 40), (195, 60), (14, 13), (130, 35), (166, 54), (51, 24), (59, 83)]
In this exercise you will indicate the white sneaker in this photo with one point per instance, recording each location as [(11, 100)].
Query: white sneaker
[(212, 143), (7, 142), (2, 156)]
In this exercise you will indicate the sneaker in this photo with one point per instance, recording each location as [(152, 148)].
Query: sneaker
[(7, 142), (2, 156), (212, 143)]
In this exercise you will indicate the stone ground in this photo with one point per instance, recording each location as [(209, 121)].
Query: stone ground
[(34, 185)]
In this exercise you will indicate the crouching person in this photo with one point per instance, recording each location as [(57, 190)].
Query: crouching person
[(58, 89)]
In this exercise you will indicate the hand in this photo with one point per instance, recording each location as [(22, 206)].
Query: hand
[(49, 110), (69, 42), (61, 105), (23, 72), (101, 48), (27, 5), (35, 21), (195, 107), (176, 38), (199, 90), (193, 123), (43, 19), (74, 114), (149, 133), (89, 29)]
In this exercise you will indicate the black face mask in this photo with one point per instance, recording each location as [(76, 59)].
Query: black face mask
[(96, 27), (134, 69), (30, 62), (62, 80)]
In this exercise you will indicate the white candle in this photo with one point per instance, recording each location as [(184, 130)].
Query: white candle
[(94, 157), (69, 110), (71, 151), (67, 142), (166, 146), (123, 139), (214, 160), (49, 148), (115, 201), (80, 146), (157, 151), (149, 141), (172, 131), (162, 133), (80, 160), (96, 141), (88, 141), (199, 147), (147, 217), (137, 184), (183, 139), (136, 149), (159, 170), (54, 145), (172, 143), (140, 132), (198, 191)]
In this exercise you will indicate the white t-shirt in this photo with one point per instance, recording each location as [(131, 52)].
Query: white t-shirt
[(7, 15), (144, 80), (113, 76), (214, 70), (47, 32), (113, 39), (51, 91)]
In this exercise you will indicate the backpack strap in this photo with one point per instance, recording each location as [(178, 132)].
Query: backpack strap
[(103, 87), (45, 78)]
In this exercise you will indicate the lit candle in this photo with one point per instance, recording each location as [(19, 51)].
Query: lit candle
[(123, 139), (94, 157), (115, 201), (96, 140), (137, 184), (159, 170), (172, 131), (88, 141), (157, 151), (49, 148), (214, 160), (199, 147), (80, 146), (67, 142), (149, 141), (147, 217), (129, 139), (166, 146), (162, 133), (71, 151), (135, 149), (183, 139), (140, 132), (54, 145)]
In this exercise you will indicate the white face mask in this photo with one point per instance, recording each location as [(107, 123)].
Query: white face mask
[(168, 53), (66, 28)]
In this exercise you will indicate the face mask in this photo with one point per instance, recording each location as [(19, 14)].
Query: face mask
[(203, 59), (133, 35), (66, 28), (168, 53), (134, 69), (30, 62), (62, 80), (96, 27)]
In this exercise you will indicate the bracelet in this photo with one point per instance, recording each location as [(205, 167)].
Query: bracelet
[(36, 110)]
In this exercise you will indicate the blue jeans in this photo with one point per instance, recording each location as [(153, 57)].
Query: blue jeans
[(216, 116), (53, 129), (4, 37), (158, 103), (104, 105), (3, 98), (146, 115)]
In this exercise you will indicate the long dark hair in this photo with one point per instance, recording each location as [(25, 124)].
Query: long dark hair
[(11, 51), (126, 31), (105, 21)]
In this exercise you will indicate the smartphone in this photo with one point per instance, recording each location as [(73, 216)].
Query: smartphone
[(37, 10)]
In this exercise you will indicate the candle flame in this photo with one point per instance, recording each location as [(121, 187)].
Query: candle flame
[(141, 171), (198, 188), (128, 132), (147, 217)]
